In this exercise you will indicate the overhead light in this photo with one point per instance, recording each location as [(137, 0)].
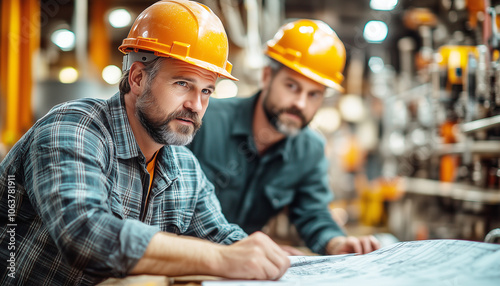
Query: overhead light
[(376, 64), (225, 88), (375, 31), (419, 137), (397, 143), (352, 108), (400, 116), (68, 75), (119, 18), (367, 133), (383, 5), (64, 39), (111, 74)]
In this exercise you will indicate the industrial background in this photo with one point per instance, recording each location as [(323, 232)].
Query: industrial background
[(413, 143)]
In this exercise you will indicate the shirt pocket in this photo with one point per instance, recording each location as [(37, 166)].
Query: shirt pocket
[(278, 197), (176, 221)]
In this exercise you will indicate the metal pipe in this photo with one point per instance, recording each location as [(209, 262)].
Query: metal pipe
[(234, 27), (481, 124), (81, 34)]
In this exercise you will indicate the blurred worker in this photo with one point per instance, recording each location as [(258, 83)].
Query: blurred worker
[(97, 188), (259, 152)]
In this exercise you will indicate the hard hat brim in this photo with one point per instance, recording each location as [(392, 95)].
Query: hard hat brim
[(306, 72), (225, 73)]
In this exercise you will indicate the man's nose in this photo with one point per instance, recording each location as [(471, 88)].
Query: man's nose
[(300, 101), (194, 102)]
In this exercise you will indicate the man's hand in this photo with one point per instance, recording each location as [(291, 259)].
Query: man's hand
[(290, 250), (352, 244), (255, 257)]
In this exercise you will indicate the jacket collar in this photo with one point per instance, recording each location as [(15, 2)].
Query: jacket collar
[(126, 145), (244, 116)]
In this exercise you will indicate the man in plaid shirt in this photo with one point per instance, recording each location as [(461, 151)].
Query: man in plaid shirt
[(99, 189)]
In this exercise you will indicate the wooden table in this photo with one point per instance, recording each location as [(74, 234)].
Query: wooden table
[(156, 280)]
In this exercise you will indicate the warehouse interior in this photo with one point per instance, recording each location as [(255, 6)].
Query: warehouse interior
[(413, 142)]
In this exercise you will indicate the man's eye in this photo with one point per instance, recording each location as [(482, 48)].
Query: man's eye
[(207, 91), (182, 83), (292, 86), (315, 94)]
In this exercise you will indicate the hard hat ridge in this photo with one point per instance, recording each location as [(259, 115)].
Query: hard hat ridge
[(311, 48), (181, 29)]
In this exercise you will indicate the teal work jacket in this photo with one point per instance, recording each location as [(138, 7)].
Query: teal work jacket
[(252, 188)]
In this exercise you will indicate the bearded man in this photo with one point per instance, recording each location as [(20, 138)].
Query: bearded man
[(101, 188), (259, 152)]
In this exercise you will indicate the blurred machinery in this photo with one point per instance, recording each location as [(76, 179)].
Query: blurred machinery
[(441, 132), (430, 169)]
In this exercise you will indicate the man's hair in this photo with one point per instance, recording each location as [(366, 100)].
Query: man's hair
[(274, 65), (150, 68)]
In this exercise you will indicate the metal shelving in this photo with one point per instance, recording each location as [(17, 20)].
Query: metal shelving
[(475, 147), (456, 191)]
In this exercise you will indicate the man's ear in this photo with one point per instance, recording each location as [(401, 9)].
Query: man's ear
[(136, 78), (267, 76)]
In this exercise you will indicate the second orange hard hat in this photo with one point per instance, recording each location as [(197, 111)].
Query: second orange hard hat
[(184, 30), (311, 48)]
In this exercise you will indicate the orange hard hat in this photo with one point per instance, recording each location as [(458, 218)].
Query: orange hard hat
[(184, 30), (311, 48)]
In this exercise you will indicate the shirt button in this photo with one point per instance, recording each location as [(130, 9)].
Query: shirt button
[(276, 201)]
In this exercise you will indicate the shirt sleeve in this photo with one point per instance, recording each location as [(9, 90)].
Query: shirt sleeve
[(208, 221), (67, 184), (309, 209)]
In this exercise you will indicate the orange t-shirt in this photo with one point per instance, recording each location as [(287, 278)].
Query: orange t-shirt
[(151, 170)]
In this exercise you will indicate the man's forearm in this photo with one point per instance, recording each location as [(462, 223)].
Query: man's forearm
[(172, 255), (255, 257)]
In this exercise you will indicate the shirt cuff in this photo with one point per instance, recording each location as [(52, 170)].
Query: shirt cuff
[(235, 234), (134, 239)]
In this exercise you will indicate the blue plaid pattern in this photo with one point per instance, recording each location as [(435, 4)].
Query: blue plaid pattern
[(253, 187), (76, 182)]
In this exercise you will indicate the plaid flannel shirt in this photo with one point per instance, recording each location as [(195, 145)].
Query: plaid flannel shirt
[(71, 192)]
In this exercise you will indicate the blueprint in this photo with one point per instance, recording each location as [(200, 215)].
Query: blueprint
[(428, 262)]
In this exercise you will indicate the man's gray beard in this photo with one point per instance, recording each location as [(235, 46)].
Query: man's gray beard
[(273, 118), (286, 129), (169, 137), (160, 131)]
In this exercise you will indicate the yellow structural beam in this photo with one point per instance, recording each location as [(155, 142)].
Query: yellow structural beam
[(30, 32), (11, 28), (99, 38), (19, 38)]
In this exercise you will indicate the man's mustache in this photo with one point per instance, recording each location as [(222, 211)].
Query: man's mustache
[(294, 111), (184, 113)]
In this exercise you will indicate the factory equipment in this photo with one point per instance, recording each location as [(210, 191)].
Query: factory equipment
[(445, 142)]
